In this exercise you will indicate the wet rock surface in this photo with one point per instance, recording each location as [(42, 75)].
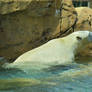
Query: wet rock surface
[(2, 61)]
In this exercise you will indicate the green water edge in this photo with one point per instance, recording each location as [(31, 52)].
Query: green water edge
[(71, 76)]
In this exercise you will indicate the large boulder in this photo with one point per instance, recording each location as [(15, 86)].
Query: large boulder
[(68, 18), (27, 24), (84, 18), (84, 23), (9, 6)]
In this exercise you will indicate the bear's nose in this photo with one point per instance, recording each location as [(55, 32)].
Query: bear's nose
[(90, 37)]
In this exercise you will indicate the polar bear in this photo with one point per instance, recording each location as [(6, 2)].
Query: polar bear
[(55, 52)]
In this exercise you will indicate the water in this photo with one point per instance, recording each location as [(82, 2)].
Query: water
[(76, 77)]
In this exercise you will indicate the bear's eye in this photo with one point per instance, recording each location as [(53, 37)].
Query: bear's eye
[(79, 38)]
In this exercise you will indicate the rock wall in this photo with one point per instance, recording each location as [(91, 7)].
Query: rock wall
[(27, 24), (84, 23), (84, 19), (9, 6)]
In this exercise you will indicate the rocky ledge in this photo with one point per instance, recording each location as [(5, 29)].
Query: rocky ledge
[(26, 24)]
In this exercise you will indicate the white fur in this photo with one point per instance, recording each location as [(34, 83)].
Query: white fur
[(55, 52)]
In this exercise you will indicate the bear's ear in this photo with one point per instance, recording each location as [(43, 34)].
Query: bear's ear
[(79, 38)]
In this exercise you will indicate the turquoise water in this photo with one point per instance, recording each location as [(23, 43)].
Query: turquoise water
[(76, 77)]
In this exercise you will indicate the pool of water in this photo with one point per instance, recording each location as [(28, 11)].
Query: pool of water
[(75, 77)]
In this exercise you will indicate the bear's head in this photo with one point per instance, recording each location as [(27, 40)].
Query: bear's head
[(79, 40)]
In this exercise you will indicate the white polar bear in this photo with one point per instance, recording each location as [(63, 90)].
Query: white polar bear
[(55, 52)]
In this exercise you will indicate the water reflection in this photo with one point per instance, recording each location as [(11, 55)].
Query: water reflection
[(76, 77)]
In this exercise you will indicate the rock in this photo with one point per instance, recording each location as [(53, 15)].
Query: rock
[(68, 18), (9, 6), (84, 23), (84, 19), (3, 61), (68, 15), (32, 24)]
